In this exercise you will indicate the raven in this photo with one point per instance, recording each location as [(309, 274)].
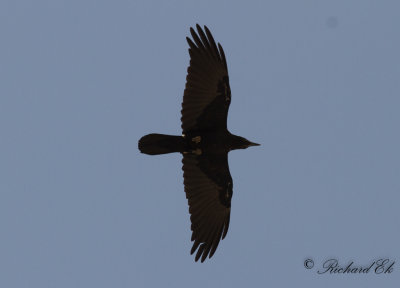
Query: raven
[(204, 144)]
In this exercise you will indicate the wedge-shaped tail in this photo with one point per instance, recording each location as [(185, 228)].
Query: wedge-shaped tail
[(154, 144)]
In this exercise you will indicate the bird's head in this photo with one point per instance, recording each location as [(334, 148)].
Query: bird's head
[(241, 143)]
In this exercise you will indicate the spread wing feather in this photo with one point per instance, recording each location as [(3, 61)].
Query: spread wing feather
[(207, 94), (209, 195)]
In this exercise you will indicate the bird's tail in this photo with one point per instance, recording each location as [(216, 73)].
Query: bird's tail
[(154, 144)]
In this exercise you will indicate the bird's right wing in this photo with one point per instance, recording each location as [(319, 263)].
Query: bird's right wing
[(207, 93), (208, 187)]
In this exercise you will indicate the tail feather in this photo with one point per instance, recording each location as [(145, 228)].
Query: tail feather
[(154, 144)]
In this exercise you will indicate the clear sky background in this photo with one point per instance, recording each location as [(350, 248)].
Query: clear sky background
[(317, 83)]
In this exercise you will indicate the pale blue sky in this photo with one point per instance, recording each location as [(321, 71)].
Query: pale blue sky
[(315, 82)]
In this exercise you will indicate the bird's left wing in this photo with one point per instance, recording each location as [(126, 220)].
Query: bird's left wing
[(208, 187)]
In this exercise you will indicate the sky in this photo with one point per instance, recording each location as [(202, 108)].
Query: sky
[(315, 82)]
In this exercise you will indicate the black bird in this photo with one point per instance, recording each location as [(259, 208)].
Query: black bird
[(205, 143)]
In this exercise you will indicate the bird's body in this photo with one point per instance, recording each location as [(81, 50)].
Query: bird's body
[(208, 142), (204, 144)]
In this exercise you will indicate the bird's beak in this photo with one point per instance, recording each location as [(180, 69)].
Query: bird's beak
[(253, 144)]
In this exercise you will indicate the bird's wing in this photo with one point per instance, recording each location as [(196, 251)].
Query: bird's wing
[(208, 187), (207, 93)]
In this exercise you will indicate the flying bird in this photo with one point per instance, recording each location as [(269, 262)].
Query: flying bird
[(204, 144)]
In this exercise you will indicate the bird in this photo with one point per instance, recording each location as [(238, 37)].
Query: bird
[(204, 143)]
